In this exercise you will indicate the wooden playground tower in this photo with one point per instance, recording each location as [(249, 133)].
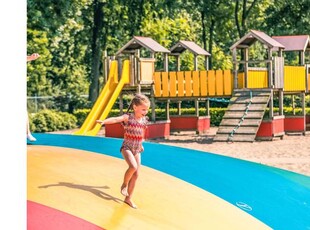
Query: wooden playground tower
[(251, 90)]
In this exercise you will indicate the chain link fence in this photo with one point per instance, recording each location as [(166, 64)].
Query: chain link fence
[(59, 103)]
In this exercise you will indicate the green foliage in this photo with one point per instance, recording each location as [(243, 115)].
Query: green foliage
[(81, 115), (49, 120), (63, 33)]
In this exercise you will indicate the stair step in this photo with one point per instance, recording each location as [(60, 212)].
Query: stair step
[(254, 94), (252, 107), (254, 91), (258, 100), (251, 114), (246, 122), (235, 138), (240, 130)]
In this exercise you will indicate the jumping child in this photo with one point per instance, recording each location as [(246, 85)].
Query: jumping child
[(134, 129)]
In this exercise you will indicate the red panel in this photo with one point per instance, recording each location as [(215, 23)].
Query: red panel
[(41, 217), (200, 124), (203, 124), (183, 123), (265, 129), (294, 124), (114, 130), (278, 126), (271, 128), (155, 130)]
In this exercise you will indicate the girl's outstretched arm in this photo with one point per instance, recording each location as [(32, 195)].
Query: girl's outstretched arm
[(33, 56), (113, 120)]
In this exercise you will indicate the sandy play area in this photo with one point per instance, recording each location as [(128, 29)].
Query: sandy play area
[(292, 153)]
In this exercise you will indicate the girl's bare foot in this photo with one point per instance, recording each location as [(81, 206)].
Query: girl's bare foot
[(124, 191), (130, 203)]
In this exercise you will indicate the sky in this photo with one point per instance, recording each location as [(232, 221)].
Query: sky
[(13, 44)]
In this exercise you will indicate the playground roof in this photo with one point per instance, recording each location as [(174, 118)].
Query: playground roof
[(138, 42), (294, 42), (254, 35), (181, 46)]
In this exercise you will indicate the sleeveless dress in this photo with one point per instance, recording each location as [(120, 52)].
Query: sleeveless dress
[(134, 134)]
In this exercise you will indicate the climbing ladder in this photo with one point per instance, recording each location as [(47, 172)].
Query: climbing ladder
[(244, 115)]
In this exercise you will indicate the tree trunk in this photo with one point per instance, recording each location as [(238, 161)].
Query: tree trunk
[(96, 51), (204, 34), (211, 35)]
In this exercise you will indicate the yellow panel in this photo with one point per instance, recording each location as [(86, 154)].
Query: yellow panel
[(211, 82), (257, 79), (228, 82), (196, 83), (203, 83), (180, 77), (188, 83), (240, 80), (157, 83), (173, 84), (87, 185), (165, 84), (294, 78), (308, 82), (219, 78)]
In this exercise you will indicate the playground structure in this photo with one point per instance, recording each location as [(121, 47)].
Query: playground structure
[(251, 89)]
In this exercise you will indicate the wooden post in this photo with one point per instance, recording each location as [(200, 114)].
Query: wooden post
[(179, 108), (235, 68), (208, 107), (178, 62), (195, 62), (207, 62), (153, 104), (166, 62), (301, 58), (293, 103), (271, 105), (197, 107), (303, 103), (246, 65), (167, 110), (281, 102), (269, 63)]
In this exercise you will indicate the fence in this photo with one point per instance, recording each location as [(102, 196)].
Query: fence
[(59, 103)]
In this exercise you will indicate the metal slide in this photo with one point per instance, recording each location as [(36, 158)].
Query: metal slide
[(106, 100)]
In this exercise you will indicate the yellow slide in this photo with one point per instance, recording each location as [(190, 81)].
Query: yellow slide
[(106, 100)]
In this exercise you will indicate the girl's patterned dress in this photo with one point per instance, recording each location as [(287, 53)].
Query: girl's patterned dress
[(134, 134)]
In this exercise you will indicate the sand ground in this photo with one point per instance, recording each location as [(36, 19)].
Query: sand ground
[(291, 153)]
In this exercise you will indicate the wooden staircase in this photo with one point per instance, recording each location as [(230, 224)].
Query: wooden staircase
[(244, 115)]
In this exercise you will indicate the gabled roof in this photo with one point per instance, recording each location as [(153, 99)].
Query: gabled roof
[(254, 35), (138, 42), (181, 46), (294, 42)]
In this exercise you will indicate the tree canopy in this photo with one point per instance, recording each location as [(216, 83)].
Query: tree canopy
[(70, 36)]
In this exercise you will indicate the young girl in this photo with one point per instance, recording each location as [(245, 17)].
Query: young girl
[(134, 128)]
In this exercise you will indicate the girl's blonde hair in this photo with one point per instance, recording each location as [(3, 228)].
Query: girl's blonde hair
[(138, 99)]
